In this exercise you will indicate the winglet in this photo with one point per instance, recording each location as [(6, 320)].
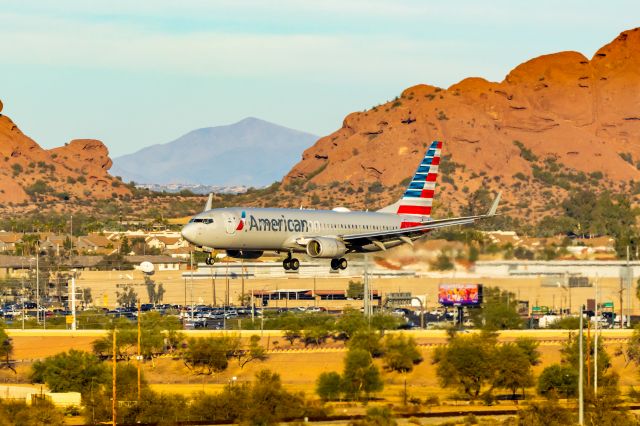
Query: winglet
[(209, 202), (494, 206)]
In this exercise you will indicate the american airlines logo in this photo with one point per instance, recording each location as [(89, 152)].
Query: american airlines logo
[(278, 225)]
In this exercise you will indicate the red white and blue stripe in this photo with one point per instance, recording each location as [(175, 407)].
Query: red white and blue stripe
[(417, 200)]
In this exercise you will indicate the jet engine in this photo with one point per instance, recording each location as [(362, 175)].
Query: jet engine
[(244, 254), (326, 247)]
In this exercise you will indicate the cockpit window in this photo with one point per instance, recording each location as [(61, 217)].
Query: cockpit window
[(206, 221)]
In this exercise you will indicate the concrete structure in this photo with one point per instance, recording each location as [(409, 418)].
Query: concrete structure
[(538, 268), (318, 269), (28, 394)]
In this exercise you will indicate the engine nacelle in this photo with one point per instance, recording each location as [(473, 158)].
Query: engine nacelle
[(244, 254), (326, 247)]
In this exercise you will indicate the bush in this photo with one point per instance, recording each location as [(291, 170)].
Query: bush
[(17, 169), (401, 353), (329, 386)]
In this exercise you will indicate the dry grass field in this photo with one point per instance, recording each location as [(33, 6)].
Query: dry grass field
[(297, 367)]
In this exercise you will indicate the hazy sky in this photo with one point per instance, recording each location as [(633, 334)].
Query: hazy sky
[(134, 73)]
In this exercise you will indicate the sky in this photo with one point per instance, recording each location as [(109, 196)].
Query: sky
[(136, 73)]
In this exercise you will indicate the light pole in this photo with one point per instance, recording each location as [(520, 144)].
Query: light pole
[(73, 299), (38, 285), (581, 371)]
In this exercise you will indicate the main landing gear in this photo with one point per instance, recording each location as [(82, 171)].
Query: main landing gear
[(290, 263), (339, 264), (210, 260)]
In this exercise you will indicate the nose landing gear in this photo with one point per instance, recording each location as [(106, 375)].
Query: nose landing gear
[(210, 260), (290, 263), (339, 264)]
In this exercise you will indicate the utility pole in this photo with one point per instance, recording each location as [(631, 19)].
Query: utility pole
[(113, 384), (621, 292), (595, 351), (581, 371), (37, 284), (242, 281), (213, 286), (629, 277), (191, 259), (367, 301), (71, 239), (139, 355), (73, 300), (22, 282)]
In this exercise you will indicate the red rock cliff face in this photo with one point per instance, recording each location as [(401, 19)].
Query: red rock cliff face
[(567, 113), (78, 170)]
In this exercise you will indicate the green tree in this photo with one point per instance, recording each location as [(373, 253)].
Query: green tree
[(98, 403), (329, 386), (383, 321), (558, 380), (498, 310), (400, 353), (607, 409), (512, 368), (208, 355), (530, 348), (125, 248), (360, 376), (442, 263), (355, 290), (466, 362), (127, 296), (368, 340), (6, 349), (158, 334), (351, 321), (254, 352), (72, 371), (376, 416), (155, 291), (570, 355), (548, 413), (42, 413), (269, 402)]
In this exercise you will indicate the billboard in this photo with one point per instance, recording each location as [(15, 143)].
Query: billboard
[(460, 294)]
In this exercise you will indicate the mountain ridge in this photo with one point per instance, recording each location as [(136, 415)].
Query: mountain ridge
[(214, 154), (555, 123)]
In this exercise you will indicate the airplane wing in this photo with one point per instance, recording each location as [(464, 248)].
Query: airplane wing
[(408, 235)]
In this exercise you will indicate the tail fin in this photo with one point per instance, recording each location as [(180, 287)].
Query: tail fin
[(418, 198)]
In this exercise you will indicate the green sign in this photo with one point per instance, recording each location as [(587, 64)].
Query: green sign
[(540, 309), (607, 305)]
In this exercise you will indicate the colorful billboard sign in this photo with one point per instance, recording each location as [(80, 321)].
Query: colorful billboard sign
[(460, 294)]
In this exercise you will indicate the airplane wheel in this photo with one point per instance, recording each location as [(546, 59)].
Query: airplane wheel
[(335, 264), (342, 263), (295, 264), (286, 264)]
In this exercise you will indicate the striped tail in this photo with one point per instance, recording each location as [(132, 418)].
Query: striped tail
[(417, 200)]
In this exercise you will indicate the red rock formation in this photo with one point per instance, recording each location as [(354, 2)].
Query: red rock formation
[(78, 170), (581, 113)]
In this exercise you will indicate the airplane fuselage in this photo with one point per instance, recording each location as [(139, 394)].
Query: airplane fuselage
[(278, 229)]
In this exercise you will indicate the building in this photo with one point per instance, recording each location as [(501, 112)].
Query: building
[(8, 241), (160, 263)]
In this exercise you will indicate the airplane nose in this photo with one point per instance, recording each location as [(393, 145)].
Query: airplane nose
[(189, 232)]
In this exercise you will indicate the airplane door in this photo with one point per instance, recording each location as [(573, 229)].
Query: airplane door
[(229, 223)]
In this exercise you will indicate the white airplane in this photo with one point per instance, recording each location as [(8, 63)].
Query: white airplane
[(247, 232)]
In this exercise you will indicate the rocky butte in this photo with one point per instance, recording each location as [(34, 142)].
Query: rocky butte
[(556, 123), (76, 171)]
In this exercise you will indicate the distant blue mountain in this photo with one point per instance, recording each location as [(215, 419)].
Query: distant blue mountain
[(250, 152)]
